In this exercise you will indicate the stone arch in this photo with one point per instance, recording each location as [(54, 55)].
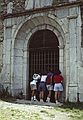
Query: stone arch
[(21, 39), (49, 19), (41, 19)]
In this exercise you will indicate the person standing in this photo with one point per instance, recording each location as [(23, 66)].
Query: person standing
[(49, 85), (58, 87), (33, 86), (42, 87)]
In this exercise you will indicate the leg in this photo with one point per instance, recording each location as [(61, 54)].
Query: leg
[(58, 95), (33, 92), (49, 96), (56, 92), (32, 95), (50, 88), (41, 96), (56, 98), (42, 90)]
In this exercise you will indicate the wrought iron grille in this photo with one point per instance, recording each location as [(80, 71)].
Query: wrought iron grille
[(43, 52)]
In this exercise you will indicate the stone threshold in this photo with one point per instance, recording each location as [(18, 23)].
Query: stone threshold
[(19, 101)]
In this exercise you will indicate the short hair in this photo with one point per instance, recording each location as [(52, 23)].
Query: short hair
[(58, 72)]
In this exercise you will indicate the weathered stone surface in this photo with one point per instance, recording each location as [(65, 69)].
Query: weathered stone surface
[(65, 23), (30, 4)]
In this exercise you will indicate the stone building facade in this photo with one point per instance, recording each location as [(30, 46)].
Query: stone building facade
[(58, 23)]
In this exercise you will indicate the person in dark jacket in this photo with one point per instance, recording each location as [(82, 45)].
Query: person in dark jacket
[(49, 85)]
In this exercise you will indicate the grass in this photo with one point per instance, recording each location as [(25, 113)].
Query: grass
[(73, 110), (69, 111), (15, 114)]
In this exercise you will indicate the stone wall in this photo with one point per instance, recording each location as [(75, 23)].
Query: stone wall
[(65, 22), (1, 48), (67, 28), (1, 39), (82, 25)]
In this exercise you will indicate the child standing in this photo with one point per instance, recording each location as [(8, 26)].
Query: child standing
[(33, 86)]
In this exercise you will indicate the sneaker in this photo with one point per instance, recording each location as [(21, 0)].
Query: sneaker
[(31, 98), (48, 99), (58, 103), (41, 100), (34, 98)]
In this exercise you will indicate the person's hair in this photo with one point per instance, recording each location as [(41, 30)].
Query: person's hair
[(58, 72)]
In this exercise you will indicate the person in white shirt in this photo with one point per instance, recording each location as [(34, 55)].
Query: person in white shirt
[(42, 87), (33, 86)]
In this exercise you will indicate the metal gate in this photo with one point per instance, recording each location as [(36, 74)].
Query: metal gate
[(43, 52)]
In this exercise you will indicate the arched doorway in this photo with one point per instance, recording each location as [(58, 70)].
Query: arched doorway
[(43, 52)]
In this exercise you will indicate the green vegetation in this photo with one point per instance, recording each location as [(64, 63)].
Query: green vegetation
[(15, 114), (12, 111), (73, 110)]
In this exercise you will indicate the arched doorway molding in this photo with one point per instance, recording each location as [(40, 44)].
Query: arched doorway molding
[(49, 19), (24, 32)]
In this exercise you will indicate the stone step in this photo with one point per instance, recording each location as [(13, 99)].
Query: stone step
[(19, 101)]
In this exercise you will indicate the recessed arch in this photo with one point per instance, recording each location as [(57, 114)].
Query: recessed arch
[(43, 52), (36, 19), (24, 34)]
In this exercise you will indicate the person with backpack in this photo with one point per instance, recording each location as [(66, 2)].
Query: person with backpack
[(49, 85)]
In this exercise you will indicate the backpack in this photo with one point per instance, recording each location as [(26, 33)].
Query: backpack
[(49, 78)]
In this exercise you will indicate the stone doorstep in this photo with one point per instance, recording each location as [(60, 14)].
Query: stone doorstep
[(36, 103)]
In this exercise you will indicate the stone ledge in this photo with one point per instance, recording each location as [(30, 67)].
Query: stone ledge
[(39, 10), (37, 103)]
